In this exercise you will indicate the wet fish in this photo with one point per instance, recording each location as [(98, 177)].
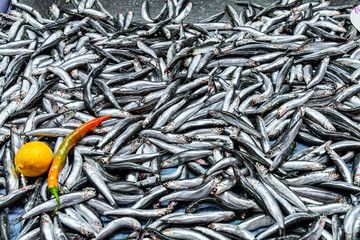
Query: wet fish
[(204, 113)]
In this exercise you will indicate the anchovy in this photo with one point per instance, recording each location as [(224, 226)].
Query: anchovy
[(114, 225), (76, 225), (226, 100), (66, 200)]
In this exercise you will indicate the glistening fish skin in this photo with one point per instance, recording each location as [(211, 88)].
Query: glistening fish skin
[(204, 113)]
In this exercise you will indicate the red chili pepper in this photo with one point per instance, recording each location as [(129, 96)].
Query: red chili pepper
[(62, 152)]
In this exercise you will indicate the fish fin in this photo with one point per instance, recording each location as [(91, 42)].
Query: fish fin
[(95, 148), (281, 231), (148, 223), (16, 220), (163, 152)]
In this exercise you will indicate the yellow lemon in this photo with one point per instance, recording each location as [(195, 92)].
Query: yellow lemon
[(33, 159)]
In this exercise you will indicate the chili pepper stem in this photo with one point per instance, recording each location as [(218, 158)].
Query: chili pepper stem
[(55, 192)]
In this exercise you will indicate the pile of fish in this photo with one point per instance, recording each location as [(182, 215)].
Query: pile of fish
[(206, 119)]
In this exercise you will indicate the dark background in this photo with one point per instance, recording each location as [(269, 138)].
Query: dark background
[(200, 10)]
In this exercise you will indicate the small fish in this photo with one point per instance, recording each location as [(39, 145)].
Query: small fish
[(205, 114)]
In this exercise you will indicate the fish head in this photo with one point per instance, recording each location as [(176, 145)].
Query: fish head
[(88, 193), (252, 63)]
